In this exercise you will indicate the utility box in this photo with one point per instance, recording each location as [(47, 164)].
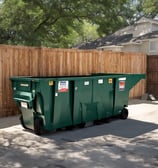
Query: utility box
[(49, 103)]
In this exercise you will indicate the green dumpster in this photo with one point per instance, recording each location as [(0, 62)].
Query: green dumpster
[(49, 103)]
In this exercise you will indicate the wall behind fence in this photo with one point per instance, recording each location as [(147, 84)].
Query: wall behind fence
[(30, 61)]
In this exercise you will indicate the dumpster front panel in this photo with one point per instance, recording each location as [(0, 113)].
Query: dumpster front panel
[(103, 90), (24, 95), (123, 84), (22, 92), (121, 94)]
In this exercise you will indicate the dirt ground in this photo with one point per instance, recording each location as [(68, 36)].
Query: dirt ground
[(131, 143)]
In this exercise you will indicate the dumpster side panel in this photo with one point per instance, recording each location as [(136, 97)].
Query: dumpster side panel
[(103, 96), (84, 109), (62, 115), (44, 101), (55, 103)]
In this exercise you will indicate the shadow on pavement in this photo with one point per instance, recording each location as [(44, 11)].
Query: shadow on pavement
[(123, 128)]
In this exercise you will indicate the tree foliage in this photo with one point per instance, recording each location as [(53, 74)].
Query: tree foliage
[(150, 8), (147, 8), (62, 23)]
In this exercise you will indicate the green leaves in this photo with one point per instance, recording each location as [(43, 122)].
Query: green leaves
[(63, 23), (150, 8)]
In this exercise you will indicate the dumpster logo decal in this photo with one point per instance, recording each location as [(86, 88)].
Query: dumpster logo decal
[(122, 83), (63, 86), (24, 84)]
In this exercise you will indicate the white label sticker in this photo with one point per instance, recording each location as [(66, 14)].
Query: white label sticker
[(100, 81), (24, 104), (63, 86), (122, 79), (86, 83)]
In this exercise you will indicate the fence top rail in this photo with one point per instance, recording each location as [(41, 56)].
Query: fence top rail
[(68, 50)]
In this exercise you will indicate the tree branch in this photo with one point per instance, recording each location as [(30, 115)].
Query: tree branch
[(45, 21)]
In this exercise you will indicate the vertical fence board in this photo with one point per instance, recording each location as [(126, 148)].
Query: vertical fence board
[(1, 84), (152, 73)]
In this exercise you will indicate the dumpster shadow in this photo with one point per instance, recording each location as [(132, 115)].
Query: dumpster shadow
[(129, 128)]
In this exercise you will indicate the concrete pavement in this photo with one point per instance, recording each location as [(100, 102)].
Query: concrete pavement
[(131, 143)]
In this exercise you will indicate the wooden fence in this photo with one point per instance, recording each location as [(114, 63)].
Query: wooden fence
[(30, 61), (152, 75)]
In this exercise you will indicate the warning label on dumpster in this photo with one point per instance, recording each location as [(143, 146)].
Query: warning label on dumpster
[(63, 86), (110, 80), (122, 83)]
